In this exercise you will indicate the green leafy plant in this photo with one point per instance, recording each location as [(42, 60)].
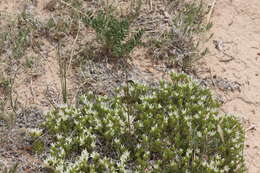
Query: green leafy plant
[(35, 135), (174, 127), (113, 33)]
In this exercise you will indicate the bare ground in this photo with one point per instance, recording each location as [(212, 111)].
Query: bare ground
[(235, 55)]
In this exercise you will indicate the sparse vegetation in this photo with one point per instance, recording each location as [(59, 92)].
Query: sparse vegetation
[(12, 169), (181, 44), (165, 127), (19, 35)]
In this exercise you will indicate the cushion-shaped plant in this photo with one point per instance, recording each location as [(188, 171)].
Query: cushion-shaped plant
[(173, 127)]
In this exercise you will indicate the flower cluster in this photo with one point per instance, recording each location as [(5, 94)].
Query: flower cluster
[(174, 127)]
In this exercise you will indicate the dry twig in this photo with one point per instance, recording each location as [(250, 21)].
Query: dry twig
[(211, 11), (250, 128)]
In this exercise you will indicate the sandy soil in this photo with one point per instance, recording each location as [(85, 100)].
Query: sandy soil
[(235, 55)]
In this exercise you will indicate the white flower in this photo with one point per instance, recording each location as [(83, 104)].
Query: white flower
[(196, 116), (228, 131), (199, 134), (218, 157), (189, 151), (94, 155), (116, 140), (35, 132), (212, 133), (62, 106), (226, 168), (68, 140), (197, 150), (156, 166), (187, 171), (62, 152), (93, 144), (81, 140), (85, 153), (59, 136), (138, 146), (124, 157)]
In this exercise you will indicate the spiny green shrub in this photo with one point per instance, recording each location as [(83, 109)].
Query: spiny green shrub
[(113, 33), (173, 127)]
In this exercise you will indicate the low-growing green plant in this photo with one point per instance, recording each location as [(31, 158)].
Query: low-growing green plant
[(181, 44), (12, 169), (113, 33), (6, 86), (173, 127), (186, 26), (35, 135), (18, 35)]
